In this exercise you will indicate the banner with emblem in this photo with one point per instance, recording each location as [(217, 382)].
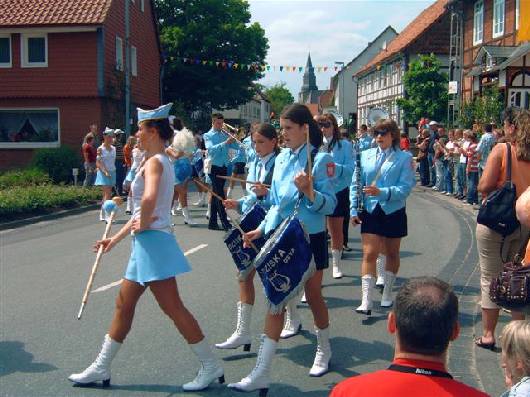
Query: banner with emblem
[(285, 263), (244, 257)]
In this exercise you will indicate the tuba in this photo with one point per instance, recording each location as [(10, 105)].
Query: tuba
[(376, 114)]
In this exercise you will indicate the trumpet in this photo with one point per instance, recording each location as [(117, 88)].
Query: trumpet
[(227, 127)]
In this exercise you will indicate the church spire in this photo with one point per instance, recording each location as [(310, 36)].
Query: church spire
[(309, 64), (310, 80)]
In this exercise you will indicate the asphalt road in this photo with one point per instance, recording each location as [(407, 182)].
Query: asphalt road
[(44, 268)]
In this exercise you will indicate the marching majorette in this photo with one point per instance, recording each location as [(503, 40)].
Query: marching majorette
[(181, 151), (155, 259), (342, 152), (310, 195), (265, 141), (106, 165), (386, 180)]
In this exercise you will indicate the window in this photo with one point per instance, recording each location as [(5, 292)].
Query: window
[(517, 13), (498, 18), (142, 5), (134, 61), (5, 51), (29, 128), (119, 54), (478, 22), (34, 50)]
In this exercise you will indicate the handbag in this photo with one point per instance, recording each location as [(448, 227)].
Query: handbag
[(498, 210), (510, 289)]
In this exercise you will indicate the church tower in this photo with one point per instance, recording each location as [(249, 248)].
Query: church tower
[(309, 82)]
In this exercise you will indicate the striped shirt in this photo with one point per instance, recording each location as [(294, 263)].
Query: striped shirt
[(472, 158)]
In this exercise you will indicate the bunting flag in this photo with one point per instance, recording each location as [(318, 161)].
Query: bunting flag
[(232, 65)]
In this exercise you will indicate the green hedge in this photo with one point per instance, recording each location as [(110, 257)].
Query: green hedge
[(58, 162), (26, 200), (27, 177)]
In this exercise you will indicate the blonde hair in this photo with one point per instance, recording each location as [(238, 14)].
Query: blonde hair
[(515, 343), (131, 141), (522, 135)]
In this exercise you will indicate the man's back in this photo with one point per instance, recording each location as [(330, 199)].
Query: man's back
[(407, 378)]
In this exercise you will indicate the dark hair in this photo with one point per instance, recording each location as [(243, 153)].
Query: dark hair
[(364, 127), (268, 131), (162, 126), (178, 124), (426, 314), (488, 128), (218, 116), (337, 136), (301, 115), (389, 125)]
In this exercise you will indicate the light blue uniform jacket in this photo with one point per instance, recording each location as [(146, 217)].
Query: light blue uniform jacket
[(366, 142), (344, 163), (250, 151), (217, 149), (395, 183), (246, 202), (284, 194)]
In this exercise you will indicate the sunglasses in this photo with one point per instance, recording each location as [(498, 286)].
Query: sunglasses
[(324, 124), (380, 132)]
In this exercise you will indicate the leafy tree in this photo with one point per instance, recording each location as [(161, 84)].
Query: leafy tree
[(279, 96), (426, 88), (483, 109), (206, 32)]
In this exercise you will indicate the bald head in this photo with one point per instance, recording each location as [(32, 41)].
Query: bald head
[(522, 208)]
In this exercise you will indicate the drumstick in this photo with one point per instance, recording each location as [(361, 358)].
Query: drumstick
[(237, 226), (309, 167), (233, 178), (95, 266)]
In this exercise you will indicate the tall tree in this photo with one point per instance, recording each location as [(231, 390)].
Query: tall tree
[(279, 96), (209, 31), (427, 90)]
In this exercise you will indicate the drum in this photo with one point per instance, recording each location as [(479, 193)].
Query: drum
[(285, 263), (244, 257)]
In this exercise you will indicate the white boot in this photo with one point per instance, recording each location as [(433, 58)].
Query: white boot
[(367, 284), (128, 210), (201, 202), (335, 255), (228, 192), (99, 370), (303, 299), (380, 268), (293, 324), (209, 211), (241, 336), (209, 371), (102, 215), (188, 220), (259, 378), (386, 299), (175, 208), (323, 354)]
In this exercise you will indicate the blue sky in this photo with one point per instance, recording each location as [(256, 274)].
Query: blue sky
[(331, 30)]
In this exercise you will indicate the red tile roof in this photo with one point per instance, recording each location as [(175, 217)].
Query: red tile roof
[(21, 13), (413, 30), (326, 98)]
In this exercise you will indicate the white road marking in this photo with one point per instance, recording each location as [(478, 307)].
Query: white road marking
[(116, 283)]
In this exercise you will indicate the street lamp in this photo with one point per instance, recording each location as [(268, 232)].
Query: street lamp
[(341, 103)]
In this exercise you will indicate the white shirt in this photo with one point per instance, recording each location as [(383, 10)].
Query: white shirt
[(263, 165), (108, 157), (137, 157), (463, 158)]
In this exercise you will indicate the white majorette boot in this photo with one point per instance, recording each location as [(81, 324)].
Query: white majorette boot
[(259, 378), (201, 202), (380, 269), (102, 215), (241, 336), (209, 211), (128, 209), (209, 371), (99, 370), (293, 323), (175, 208), (323, 354), (335, 255), (188, 220), (303, 298), (367, 284), (386, 299), (228, 192)]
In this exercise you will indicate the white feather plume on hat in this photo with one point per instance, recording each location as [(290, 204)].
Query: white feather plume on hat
[(183, 141)]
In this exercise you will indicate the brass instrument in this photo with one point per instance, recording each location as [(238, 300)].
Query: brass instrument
[(227, 127)]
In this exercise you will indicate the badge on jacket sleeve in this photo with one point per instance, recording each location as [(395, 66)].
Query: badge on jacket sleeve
[(330, 168)]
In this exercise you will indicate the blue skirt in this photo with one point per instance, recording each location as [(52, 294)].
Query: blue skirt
[(155, 255), (102, 180), (183, 170)]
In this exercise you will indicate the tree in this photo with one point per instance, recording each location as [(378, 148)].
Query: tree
[(426, 90), (279, 96), (206, 32), (483, 109)]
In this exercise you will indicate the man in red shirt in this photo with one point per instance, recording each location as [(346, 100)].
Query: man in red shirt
[(424, 321)]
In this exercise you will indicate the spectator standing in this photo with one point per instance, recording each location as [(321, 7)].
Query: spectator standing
[(516, 358), (433, 127), (120, 160), (89, 159), (462, 144), (423, 144), (493, 248), (472, 169), (404, 142), (450, 163), (487, 141), (439, 158), (424, 322)]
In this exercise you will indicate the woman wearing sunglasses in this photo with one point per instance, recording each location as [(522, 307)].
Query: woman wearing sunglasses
[(387, 178), (342, 152)]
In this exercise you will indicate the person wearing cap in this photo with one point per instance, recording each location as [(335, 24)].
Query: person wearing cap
[(156, 259), (106, 164)]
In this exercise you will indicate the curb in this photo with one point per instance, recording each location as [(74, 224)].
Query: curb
[(47, 217)]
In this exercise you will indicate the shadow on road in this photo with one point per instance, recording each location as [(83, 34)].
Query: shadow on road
[(13, 358)]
